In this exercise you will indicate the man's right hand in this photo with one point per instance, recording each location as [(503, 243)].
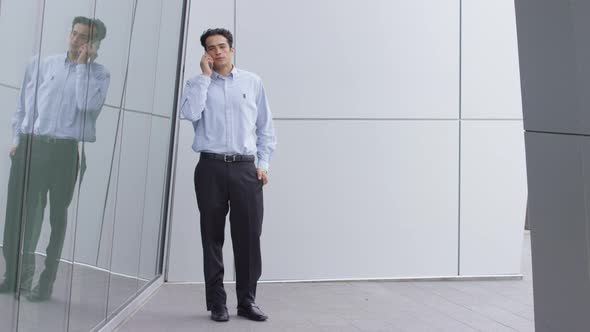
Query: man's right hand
[(12, 150), (206, 64), (86, 54)]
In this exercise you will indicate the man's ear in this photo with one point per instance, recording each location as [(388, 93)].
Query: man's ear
[(96, 43)]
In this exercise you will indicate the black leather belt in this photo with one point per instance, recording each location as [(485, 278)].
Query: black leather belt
[(228, 158), (49, 139)]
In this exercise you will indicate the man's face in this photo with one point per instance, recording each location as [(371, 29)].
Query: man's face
[(219, 50), (80, 35)]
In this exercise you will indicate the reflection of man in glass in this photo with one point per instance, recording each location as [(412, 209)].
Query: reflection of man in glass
[(232, 121), (59, 102)]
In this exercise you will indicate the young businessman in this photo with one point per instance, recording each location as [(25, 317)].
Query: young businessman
[(233, 127)]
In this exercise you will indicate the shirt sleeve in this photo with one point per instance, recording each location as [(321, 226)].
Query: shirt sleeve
[(19, 114), (194, 98), (265, 133), (92, 84)]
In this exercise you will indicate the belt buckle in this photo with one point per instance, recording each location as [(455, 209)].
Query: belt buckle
[(231, 160)]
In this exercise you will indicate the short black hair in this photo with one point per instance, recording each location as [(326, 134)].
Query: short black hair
[(96, 25), (214, 32)]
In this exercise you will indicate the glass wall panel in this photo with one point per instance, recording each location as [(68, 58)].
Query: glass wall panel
[(90, 90), (135, 145), (129, 211)]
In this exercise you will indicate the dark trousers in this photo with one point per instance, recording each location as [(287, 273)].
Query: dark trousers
[(52, 172), (233, 187)]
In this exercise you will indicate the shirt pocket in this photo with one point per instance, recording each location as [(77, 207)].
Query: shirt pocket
[(46, 81), (248, 110), (46, 93)]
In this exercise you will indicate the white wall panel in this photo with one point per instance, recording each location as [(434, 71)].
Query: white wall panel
[(493, 197), (202, 16), (362, 199), (490, 71), (353, 59), (186, 253)]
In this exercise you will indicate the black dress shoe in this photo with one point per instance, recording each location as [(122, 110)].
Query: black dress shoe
[(219, 313), (40, 294), (252, 312), (10, 287)]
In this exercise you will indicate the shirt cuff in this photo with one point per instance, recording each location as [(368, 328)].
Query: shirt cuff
[(16, 140), (263, 164)]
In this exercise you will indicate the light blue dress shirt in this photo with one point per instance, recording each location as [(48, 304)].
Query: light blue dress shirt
[(230, 115), (60, 99)]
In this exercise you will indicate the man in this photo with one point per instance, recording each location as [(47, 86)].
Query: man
[(59, 102), (233, 124)]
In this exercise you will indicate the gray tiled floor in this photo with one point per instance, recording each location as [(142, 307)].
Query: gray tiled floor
[(355, 306), (88, 306)]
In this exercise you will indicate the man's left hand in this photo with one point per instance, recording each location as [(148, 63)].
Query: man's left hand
[(262, 175)]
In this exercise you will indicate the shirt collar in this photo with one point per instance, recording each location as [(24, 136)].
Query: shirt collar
[(65, 57), (234, 73)]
